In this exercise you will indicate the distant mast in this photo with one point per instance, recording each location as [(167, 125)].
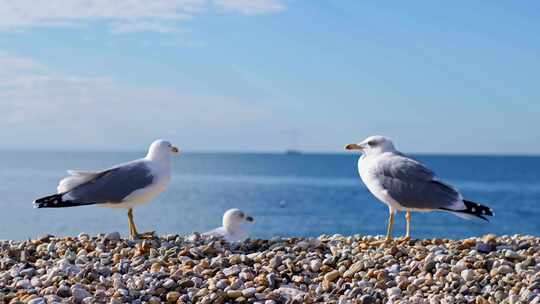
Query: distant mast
[(293, 150)]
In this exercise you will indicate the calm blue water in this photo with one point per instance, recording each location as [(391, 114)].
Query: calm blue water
[(289, 195)]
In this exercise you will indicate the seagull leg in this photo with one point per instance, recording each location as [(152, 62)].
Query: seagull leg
[(389, 229), (408, 218), (133, 229), (390, 225), (408, 233)]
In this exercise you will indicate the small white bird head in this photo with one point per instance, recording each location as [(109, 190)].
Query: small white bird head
[(160, 149), (234, 218), (373, 145)]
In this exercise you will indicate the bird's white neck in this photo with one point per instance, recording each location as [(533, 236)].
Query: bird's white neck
[(232, 227), (161, 157), (235, 230), (380, 150), (236, 233)]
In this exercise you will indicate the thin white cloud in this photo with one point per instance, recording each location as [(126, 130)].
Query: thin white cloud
[(47, 109), (120, 15), (251, 7), (12, 65), (144, 26)]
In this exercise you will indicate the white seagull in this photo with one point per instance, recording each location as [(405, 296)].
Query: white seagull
[(405, 184), (122, 186), (233, 229)]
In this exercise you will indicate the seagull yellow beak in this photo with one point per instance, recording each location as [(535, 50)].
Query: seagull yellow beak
[(175, 150), (353, 147)]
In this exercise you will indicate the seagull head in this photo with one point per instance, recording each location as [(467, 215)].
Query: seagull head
[(373, 145), (233, 219), (160, 149)]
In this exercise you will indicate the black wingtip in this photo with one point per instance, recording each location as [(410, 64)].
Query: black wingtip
[(50, 201), (477, 210), (473, 209)]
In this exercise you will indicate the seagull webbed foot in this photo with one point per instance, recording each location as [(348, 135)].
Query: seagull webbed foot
[(382, 242), (150, 235), (404, 240)]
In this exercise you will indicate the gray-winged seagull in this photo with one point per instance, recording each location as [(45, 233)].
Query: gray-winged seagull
[(233, 229), (405, 184), (123, 186)]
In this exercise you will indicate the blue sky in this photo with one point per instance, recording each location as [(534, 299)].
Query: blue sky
[(245, 75)]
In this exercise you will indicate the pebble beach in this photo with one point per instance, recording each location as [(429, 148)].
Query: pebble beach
[(328, 269)]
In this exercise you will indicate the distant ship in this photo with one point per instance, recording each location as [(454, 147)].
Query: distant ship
[(294, 143), (293, 152)]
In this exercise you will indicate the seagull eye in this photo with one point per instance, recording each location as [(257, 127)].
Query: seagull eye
[(241, 214), (372, 143)]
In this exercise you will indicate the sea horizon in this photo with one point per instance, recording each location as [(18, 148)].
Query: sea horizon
[(269, 152), (303, 195)]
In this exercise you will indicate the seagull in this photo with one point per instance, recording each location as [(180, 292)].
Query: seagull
[(122, 186), (232, 229), (405, 184)]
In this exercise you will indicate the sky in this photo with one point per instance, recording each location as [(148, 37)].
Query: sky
[(268, 75)]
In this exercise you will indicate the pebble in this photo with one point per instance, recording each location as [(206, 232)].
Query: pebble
[(79, 294), (467, 275), (459, 267), (394, 291), (430, 266), (113, 236), (233, 294), (315, 265), (271, 279), (367, 299), (512, 255), (173, 296), (328, 269), (53, 299), (37, 301), (233, 270), (63, 291), (504, 269), (331, 276), (484, 248), (24, 284), (249, 292), (169, 284)]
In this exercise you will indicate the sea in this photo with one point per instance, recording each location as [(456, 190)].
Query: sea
[(289, 195)]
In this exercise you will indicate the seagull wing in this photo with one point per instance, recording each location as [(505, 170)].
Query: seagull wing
[(75, 179), (113, 185), (414, 185), (218, 232)]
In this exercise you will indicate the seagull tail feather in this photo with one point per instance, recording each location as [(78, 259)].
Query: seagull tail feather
[(56, 201), (472, 210)]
